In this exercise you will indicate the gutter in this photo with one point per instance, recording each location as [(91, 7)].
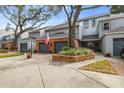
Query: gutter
[(59, 28), (91, 40), (113, 33)]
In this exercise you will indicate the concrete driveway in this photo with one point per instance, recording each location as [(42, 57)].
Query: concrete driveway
[(40, 72)]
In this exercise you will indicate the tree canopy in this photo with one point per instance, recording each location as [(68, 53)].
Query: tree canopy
[(72, 12), (116, 9), (22, 18), (27, 17)]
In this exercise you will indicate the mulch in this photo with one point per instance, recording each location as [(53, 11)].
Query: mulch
[(119, 67)]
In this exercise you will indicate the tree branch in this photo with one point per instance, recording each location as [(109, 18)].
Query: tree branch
[(31, 27), (66, 11), (8, 18), (37, 13), (72, 10), (38, 21), (78, 8)]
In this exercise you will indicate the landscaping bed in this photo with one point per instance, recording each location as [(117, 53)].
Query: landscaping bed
[(2, 51), (73, 55), (63, 58), (119, 67), (103, 66), (10, 54)]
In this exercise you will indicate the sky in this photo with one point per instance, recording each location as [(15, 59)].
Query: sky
[(61, 17)]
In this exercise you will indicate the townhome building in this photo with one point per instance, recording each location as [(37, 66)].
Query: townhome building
[(88, 34), (6, 39), (27, 40), (103, 33), (111, 34), (58, 38)]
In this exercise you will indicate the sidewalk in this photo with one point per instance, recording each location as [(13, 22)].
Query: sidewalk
[(40, 72)]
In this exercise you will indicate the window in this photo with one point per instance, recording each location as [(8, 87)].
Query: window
[(93, 22), (90, 44), (86, 24), (106, 26)]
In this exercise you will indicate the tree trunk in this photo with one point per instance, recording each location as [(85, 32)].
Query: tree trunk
[(13, 47), (70, 36), (72, 43)]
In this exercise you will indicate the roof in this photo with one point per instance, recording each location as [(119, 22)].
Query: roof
[(38, 29), (90, 38), (60, 35), (112, 16), (65, 25), (119, 30), (5, 33), (60, 26), (94, 16), (29, 38)]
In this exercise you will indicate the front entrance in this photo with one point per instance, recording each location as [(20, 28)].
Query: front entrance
[(23, 47), (118, 45), (94, 45), (60, 45), (43, 48)]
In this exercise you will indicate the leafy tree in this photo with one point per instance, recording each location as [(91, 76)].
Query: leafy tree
[(23, 18), (116, 9), (72, 12)]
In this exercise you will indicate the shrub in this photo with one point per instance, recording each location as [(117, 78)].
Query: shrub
[(11, 55), (76, 51), (3, 51), (66, 48)]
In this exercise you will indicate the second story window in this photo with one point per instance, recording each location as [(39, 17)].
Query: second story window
[(93, 22), (86, 24), (106, 26)]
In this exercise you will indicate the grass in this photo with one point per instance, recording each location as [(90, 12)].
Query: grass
[(11, 55), (101, 66)]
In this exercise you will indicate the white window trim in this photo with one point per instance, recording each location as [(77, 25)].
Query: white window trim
[(95, 23), (103, 26)]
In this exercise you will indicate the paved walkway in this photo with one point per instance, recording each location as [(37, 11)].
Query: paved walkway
[(40, 72)]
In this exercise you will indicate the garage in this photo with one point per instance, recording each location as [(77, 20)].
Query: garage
[(43, 48), (23, 47), (118, 45), (60, 45)]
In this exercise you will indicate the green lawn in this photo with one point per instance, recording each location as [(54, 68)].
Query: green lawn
[(101, 66)]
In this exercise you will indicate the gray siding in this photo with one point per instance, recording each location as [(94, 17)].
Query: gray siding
[(114, 24), (107, 43), (35, 34), (63, 32), (29, 44)]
